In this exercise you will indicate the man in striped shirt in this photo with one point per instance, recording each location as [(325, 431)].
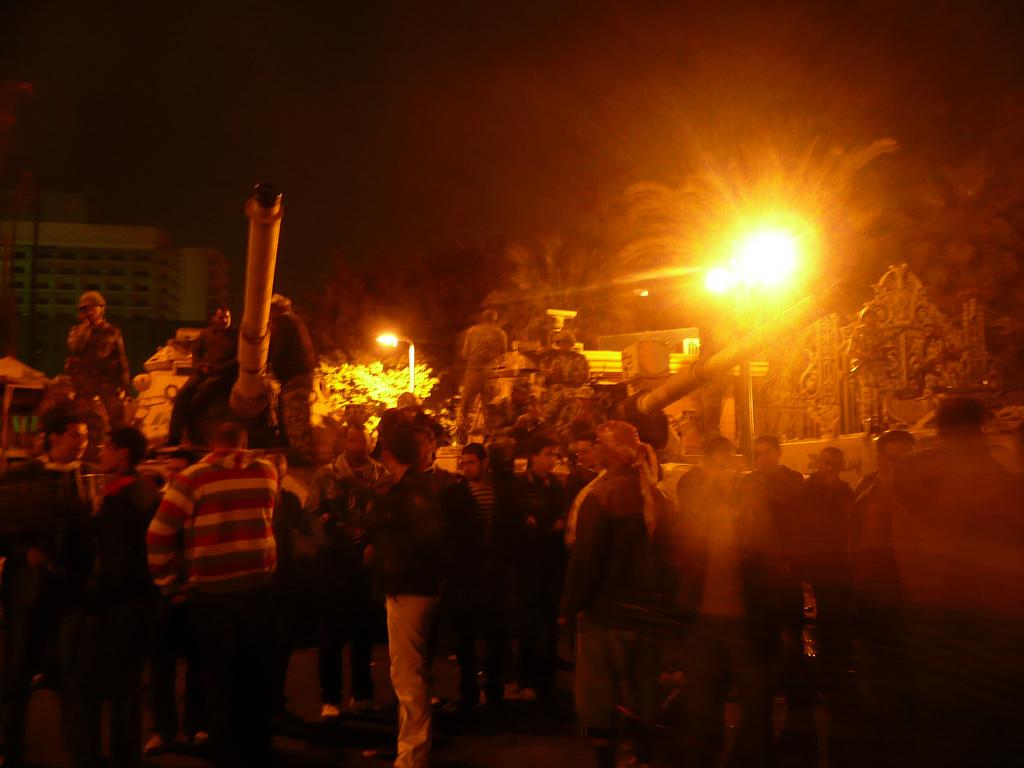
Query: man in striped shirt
[(214, 529), (483, 537)]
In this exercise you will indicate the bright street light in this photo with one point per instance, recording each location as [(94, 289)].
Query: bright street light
[(767, 257), (391, 340), (720, 280)]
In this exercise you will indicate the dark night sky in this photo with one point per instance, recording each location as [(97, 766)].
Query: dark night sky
[(407, 127)]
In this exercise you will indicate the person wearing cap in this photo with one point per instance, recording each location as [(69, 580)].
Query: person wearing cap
[(96, 362), (564, 369), (292, 360), (483, 344)]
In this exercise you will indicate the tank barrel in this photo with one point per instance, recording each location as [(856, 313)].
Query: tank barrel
[(703, 371), (264, 209)]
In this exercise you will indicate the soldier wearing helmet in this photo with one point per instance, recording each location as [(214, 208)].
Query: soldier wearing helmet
[(292, 360), (564, 369), (96, 361)]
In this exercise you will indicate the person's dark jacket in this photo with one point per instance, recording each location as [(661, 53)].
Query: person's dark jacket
[(771, 596), (218, 348), (958, 534), (578, 479), (291, 349), (46, 508), (543, 502), (823, 534), (122, 570), (407, 534), (614, 570), (876, 579), (471, 561)]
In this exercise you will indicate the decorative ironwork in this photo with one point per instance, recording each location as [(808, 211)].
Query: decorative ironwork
[(885, 367), (903, 349)]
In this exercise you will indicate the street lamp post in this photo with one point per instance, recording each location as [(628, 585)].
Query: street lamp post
[(391, 340), (764, 259)]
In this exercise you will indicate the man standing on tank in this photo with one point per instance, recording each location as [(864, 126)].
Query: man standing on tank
[(96, 361), (292, 360)]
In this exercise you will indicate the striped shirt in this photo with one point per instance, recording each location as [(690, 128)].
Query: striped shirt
[(483, 495), (224, 505)]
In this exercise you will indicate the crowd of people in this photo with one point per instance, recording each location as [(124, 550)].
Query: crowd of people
[(914, 649)]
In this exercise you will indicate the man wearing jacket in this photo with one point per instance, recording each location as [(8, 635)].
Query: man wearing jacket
[(612, 588), (779, 491), (214, 371), (224, 506), (111, 647), (543, 564), (405, 551), (733, 582), (339, 497), (45, 507)]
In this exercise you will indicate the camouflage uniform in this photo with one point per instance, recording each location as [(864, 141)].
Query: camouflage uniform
[(98, 368), (483, 345), (295, 395), (563, 372), (293, 359)]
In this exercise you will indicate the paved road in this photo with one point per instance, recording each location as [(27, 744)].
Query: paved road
[(529, 737)]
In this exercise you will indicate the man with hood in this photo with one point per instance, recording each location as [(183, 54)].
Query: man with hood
[(339, 497), (215, 524)]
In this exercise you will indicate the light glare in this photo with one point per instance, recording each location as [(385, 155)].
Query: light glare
[(767, 258), (388, 340), (720, 280)]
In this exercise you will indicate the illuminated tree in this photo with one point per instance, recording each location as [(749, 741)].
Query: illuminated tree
[(371, 385)]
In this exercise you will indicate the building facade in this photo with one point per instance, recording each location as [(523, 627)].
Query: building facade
[(150, 288)]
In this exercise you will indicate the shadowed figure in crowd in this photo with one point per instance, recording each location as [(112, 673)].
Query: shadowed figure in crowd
[(958, 540), (733, 580)]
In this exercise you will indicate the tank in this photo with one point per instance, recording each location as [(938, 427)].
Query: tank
[(171, 365), (644, 410)]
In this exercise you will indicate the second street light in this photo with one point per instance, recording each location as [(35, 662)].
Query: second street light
[(391, 340)]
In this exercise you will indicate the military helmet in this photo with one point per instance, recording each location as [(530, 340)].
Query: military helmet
[(563, 335), (280, 302), (91, 299)]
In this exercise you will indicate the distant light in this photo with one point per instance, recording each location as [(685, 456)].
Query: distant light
[(388, 340), (642, 292), (720, 280), (767, 257)]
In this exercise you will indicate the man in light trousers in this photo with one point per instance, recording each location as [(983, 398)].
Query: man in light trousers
[(405, 551)]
